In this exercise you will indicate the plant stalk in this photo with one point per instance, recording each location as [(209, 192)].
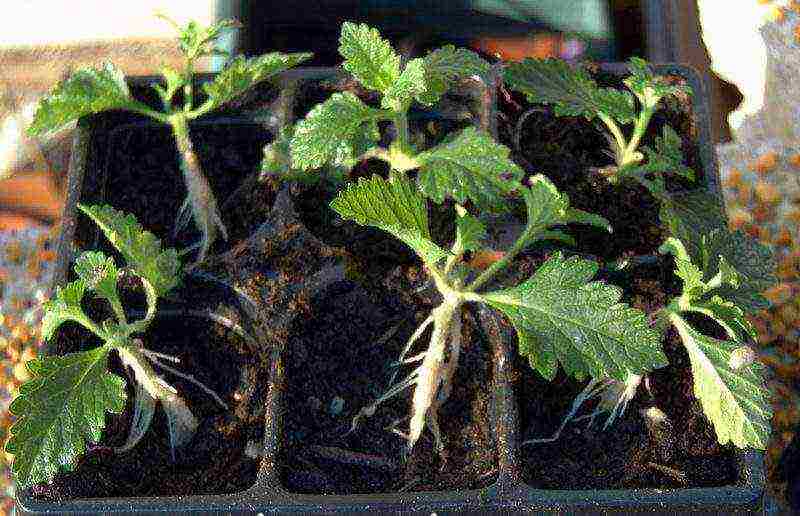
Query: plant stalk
[(200, 197)]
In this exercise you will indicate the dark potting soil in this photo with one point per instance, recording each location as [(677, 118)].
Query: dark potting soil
[(569, 150), (338, 363), (136, 170), (632, 453), (214, 462), (133, 166)]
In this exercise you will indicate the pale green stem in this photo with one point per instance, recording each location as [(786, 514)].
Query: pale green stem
[(505, 261), (616, 132), (187, 86), (152, 300)]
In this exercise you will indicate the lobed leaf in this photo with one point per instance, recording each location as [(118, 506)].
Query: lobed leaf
[(446, 66), (471, 166), (547, 207), (568, 89), (340, 121), (730, 390), (370, 58), (665, 158), (58, 410), (562, 317), (394, 206), (648, 87), (140, 248), (63, 306), (470, 231), (243, 73), (99, 273), (409, 85), (85, 92)]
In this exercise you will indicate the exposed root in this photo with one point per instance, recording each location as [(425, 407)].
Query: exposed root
[(188, 378), (429, 374), (200, 198), (614, 397)]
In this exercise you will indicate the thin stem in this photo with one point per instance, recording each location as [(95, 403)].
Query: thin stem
[(616, 132), (401, 126), (638, 132), (504, 262), (187, 86)]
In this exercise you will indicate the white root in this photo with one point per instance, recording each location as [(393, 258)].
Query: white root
[(188, 378), (200, 198), (614, 398), (414, 338), (429, 374)]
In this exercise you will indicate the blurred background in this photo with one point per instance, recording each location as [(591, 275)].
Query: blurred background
[(41, 41)]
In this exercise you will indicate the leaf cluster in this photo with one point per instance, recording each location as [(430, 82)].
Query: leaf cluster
[(723, 274), (64, 403)]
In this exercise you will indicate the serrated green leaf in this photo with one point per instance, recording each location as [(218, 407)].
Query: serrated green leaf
[(753, 261), (370, 58), (63, 306), (409, 85), (243, 73), (59, 409), (85, 92), (394, 206), (445, 66), (648, 87), (665, 158), (729, 316), (731, 391), (693, 285), (548, 207), (470, 231), (99, 273), (140, 248), (319, 137), (562, 317), (471, 166), (688, 216), (568, 89)]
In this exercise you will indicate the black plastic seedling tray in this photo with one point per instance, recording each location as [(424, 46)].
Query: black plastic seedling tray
[(508, 494)]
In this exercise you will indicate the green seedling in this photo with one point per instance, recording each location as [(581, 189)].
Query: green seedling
[(572, 92), (64, 404), (93, 90), (723, 275)]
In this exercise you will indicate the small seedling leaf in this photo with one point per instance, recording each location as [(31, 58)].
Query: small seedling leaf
[(63, 306), (409, 85), (568, 89), (243, 73), (445, 66), (370, 58), (394, 206), (99, 273), (58, 410), (140, 248), (470, 232), (341, 120), (85, 92), (562, 317), (470, 166), (733, 398)]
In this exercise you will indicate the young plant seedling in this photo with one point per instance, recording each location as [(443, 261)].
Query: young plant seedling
[(63, 405), (561, 316), (572, 92), (343, 130), (92, 90), (723, 274)]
